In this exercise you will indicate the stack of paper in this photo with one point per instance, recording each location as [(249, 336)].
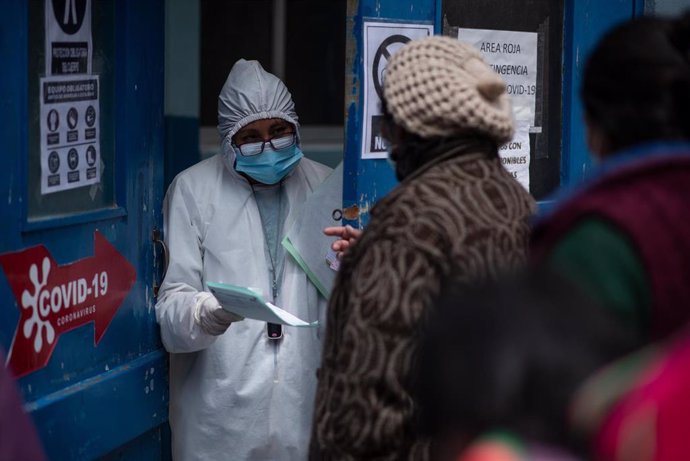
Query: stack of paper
[(250, 304)]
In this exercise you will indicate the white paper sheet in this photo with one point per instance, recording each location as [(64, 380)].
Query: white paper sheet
[(515, 155), (68, 42), (70, 132), (381, 40), (251, 305), (513, 56)]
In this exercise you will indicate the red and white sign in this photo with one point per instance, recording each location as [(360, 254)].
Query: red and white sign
[(55, 299)]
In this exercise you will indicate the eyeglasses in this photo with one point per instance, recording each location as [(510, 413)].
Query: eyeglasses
[(279, 142)]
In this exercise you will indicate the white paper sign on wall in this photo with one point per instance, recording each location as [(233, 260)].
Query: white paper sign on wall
[(513, 56), (70, 138), (381, 40), (68, 43)]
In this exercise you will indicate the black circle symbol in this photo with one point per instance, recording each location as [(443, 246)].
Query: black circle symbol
[(53, 120), (72, 159), (53, 162), (72, 116), (385, 51), (69, 14), (90, 116), (91, 156)]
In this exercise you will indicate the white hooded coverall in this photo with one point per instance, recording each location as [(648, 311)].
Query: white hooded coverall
[(239, 395)]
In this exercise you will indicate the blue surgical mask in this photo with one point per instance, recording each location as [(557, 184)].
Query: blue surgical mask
[(270, 166)]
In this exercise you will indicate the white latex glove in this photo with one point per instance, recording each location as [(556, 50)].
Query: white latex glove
[(210, 316)]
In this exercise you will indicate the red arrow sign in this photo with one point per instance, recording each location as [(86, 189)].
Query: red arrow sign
[(54, 299)]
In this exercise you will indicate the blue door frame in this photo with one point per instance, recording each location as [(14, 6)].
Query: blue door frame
[(585, 21), (110, 399)]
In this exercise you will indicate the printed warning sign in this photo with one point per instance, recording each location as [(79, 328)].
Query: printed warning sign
[(515, 154), (68, 41), (381, 40), (70, 143), (513, 56)]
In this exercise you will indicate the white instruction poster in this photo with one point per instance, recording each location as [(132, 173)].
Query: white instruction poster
[(381, 40), (512, 55), (69, 47), (70, 109), (70, 138)]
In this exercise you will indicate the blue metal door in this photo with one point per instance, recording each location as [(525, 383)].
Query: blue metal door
[(77, 274), (581, 24), (585, 22)]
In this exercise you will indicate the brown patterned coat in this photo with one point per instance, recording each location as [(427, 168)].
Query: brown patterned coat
[(458, 217)]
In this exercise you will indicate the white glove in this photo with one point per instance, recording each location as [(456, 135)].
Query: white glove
[(210, 316)]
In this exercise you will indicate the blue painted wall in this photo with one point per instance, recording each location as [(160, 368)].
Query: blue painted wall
[(585, 22)]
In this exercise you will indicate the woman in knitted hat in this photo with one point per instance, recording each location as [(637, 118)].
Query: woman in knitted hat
[(240, 390), (457, 216)]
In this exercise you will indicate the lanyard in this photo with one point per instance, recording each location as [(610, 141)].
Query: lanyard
[(274, 331)]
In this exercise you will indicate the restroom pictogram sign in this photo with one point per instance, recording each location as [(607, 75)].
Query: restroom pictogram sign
[(54, 299)]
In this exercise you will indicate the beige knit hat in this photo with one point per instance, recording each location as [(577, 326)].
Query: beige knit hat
[(438, 86)]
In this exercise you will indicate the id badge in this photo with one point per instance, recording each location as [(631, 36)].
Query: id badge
[(274, 330)]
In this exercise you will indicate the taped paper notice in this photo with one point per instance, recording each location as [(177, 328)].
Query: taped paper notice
[(70, 139), (381, 40), (515, 154), (513, 56), (69, 47)]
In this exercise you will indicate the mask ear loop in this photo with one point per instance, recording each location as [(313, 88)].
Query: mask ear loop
[(226, 146)]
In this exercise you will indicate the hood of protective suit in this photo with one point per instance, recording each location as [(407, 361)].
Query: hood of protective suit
[(249, 94)]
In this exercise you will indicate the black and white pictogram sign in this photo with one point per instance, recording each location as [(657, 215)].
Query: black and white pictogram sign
[(69, 101), (73, 159), (53, 162), (69, 47), (70, 142), (382, 56), (381, 40), (53, 120), (72, 118), (91, 155), (90, 116)]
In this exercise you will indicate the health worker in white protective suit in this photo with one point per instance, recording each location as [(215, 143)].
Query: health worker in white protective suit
[(236, 391)]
